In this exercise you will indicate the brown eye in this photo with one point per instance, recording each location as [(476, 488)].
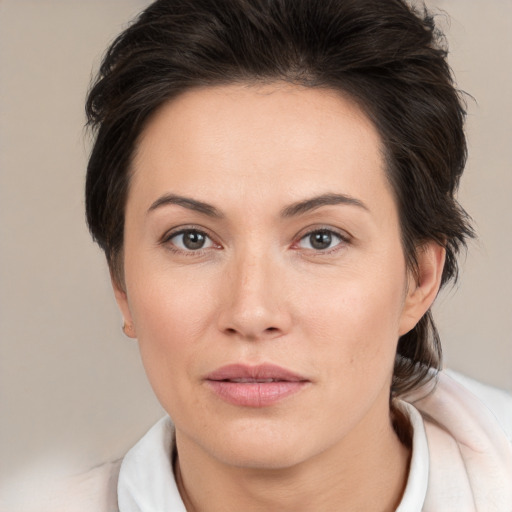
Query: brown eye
[(191, 240), (320, 240)]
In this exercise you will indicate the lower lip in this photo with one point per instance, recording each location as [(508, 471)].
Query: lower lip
[(255, 394)]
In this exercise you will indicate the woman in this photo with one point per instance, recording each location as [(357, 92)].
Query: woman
[(273, 184)]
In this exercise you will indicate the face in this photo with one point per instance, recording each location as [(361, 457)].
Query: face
[(264, 273)]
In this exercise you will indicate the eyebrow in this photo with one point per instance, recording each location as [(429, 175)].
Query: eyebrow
[(308, 205), (298, 208), (186, 202)]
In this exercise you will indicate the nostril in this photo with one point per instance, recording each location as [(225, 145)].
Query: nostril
[(269, 330)]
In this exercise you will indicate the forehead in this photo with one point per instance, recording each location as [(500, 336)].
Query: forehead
[(251, 138)]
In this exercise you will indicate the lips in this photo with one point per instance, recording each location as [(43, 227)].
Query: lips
[(254, 386)]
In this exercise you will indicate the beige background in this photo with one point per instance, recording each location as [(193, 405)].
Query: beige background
[(71, 386)]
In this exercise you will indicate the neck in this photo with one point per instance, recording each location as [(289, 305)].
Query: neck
[(368, 476)]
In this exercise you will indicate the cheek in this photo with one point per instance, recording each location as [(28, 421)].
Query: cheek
[(355, 324), (171, 315), (169, 304)]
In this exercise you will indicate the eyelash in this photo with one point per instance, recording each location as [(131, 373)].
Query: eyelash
[(344, 239), (166, 240)]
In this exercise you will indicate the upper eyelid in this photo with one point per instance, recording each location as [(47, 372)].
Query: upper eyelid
[(171, 233), (344, 235)]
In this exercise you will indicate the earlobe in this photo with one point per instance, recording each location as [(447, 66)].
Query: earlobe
[(122, 302), (423, 285)]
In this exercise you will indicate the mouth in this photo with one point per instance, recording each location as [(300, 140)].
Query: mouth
[(254, 386)]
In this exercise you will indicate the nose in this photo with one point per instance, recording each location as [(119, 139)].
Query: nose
[(253, 299)]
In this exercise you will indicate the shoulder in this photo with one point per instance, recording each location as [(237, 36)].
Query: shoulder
[(498, 401), (469, 454), (94, 490)]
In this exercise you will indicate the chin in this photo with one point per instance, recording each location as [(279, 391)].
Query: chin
[(260, 445), (259, 457)]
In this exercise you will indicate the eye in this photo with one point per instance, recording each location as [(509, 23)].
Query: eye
[(320, 240), (190, 240)]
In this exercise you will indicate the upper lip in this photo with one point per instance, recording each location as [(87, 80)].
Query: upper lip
[(261, 372)]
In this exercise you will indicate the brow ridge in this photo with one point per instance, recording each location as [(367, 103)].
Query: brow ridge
[(301, 207), (186, 202), (295, 209)]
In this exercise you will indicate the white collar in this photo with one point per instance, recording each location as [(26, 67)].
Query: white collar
[(417, 481), (146, 479)]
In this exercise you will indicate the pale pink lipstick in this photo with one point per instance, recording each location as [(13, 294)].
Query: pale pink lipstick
[(254, 386)]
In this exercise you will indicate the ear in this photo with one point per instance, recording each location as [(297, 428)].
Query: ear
[(122, 302), (423, 285)]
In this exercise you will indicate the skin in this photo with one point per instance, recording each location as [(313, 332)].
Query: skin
[(260, 292)]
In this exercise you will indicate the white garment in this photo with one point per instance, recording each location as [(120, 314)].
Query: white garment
[(462, 456)]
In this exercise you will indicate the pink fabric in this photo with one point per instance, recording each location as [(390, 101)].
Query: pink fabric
[(470, 455)]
